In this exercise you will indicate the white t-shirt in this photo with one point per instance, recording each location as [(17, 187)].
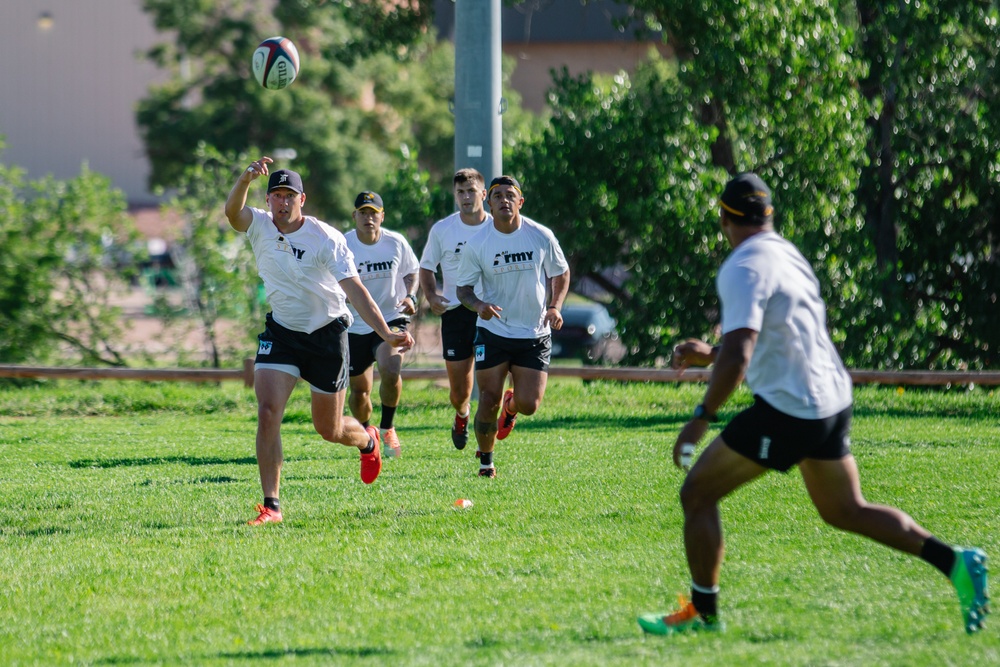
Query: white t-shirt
[(381, 267), (514, 269), (768, 286), (444, 247), (301, 271)]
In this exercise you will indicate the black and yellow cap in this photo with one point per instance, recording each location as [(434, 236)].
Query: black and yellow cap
[(747, 198)]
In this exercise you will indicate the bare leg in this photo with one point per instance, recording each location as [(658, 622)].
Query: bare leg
[(718, 472), (835, 490), (272, 389), (491, 383), (460, 379)]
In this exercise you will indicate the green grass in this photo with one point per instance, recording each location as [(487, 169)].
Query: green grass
[(123, 537)]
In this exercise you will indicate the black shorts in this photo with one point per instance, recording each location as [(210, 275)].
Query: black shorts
[(458, 333), (493, 350), (319, 356), (363, 346), (777, 441)]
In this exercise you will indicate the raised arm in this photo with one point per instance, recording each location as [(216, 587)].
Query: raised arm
[(237, 213)]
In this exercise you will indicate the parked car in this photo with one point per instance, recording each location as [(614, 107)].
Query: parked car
[(588, 333)]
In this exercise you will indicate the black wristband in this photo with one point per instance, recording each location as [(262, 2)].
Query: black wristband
[(413, 298), (551, 308), (701, 413)]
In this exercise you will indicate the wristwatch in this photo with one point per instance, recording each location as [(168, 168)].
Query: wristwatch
[(701, 413), (413, 298)]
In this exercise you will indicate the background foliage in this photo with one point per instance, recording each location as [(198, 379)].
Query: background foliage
[(875, 124), (66, 248)]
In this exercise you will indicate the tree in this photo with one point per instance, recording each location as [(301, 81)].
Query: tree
[(871, 120), (373, 78), (645, 157), (215, 265), (65, 247)]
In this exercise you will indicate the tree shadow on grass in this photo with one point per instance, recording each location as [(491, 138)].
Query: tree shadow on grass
[(162, 460), (254, 657)]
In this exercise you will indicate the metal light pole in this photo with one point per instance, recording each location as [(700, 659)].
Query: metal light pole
[(478, 102)]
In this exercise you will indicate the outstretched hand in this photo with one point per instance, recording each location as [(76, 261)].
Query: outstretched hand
[(259, 168)]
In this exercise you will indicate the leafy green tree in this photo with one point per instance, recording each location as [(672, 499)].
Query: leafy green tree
[(66, 251), (930, 192), (215, 265), (874, 123), (645, 157), (372, 79)]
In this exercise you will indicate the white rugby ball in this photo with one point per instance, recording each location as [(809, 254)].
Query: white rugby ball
[(275, 63)]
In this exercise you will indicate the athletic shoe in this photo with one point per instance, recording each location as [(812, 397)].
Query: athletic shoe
[(390, 438), (685, 619), (488, 472), (506, 422), (460, 431), (266, 515), (969, 577), (371, 464)]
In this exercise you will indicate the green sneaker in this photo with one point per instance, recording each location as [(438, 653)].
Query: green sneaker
[(685, 619), (969, 577)]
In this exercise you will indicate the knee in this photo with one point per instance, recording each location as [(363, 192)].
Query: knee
[(268, 414), (693, 498), (528, 408), (841, 516)]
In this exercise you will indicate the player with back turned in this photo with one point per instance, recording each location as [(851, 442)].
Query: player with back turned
[(774, 333)]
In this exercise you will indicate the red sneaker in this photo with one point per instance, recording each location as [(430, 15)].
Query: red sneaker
[(371, 464), (460, 431), (506, 422), (266, 515)]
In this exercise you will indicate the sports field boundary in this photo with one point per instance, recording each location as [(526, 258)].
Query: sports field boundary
[(616, 374)]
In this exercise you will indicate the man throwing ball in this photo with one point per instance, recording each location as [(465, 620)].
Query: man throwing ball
[(308, 274)]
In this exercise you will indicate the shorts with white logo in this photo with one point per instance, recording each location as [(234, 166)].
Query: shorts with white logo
[(458, 333), (778, 441), (493, 350), (363, 346), (320, 356)]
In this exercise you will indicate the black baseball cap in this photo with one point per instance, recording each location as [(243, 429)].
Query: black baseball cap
[(747, 198), (285, 178), (504, 180), (368, 199)]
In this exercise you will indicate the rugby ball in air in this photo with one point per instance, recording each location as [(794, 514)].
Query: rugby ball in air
[(275, 63)]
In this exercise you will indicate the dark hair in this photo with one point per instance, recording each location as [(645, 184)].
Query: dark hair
[(468, 174)]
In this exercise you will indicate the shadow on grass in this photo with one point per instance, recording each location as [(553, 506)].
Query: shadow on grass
[(162, 460), (254, 657)]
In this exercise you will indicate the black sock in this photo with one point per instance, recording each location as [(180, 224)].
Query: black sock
[(388, 414), (486, 459), (938, 554), (370, 448), (706, 604), (272, 503)]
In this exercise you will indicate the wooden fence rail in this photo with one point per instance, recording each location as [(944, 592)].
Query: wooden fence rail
[(623, 374)]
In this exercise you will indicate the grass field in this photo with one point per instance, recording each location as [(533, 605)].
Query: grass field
[(123, 537)]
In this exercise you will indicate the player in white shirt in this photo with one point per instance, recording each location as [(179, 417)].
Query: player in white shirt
[(458, 325), (525, 278), (308, 274), (388, 269), (774, 332)]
